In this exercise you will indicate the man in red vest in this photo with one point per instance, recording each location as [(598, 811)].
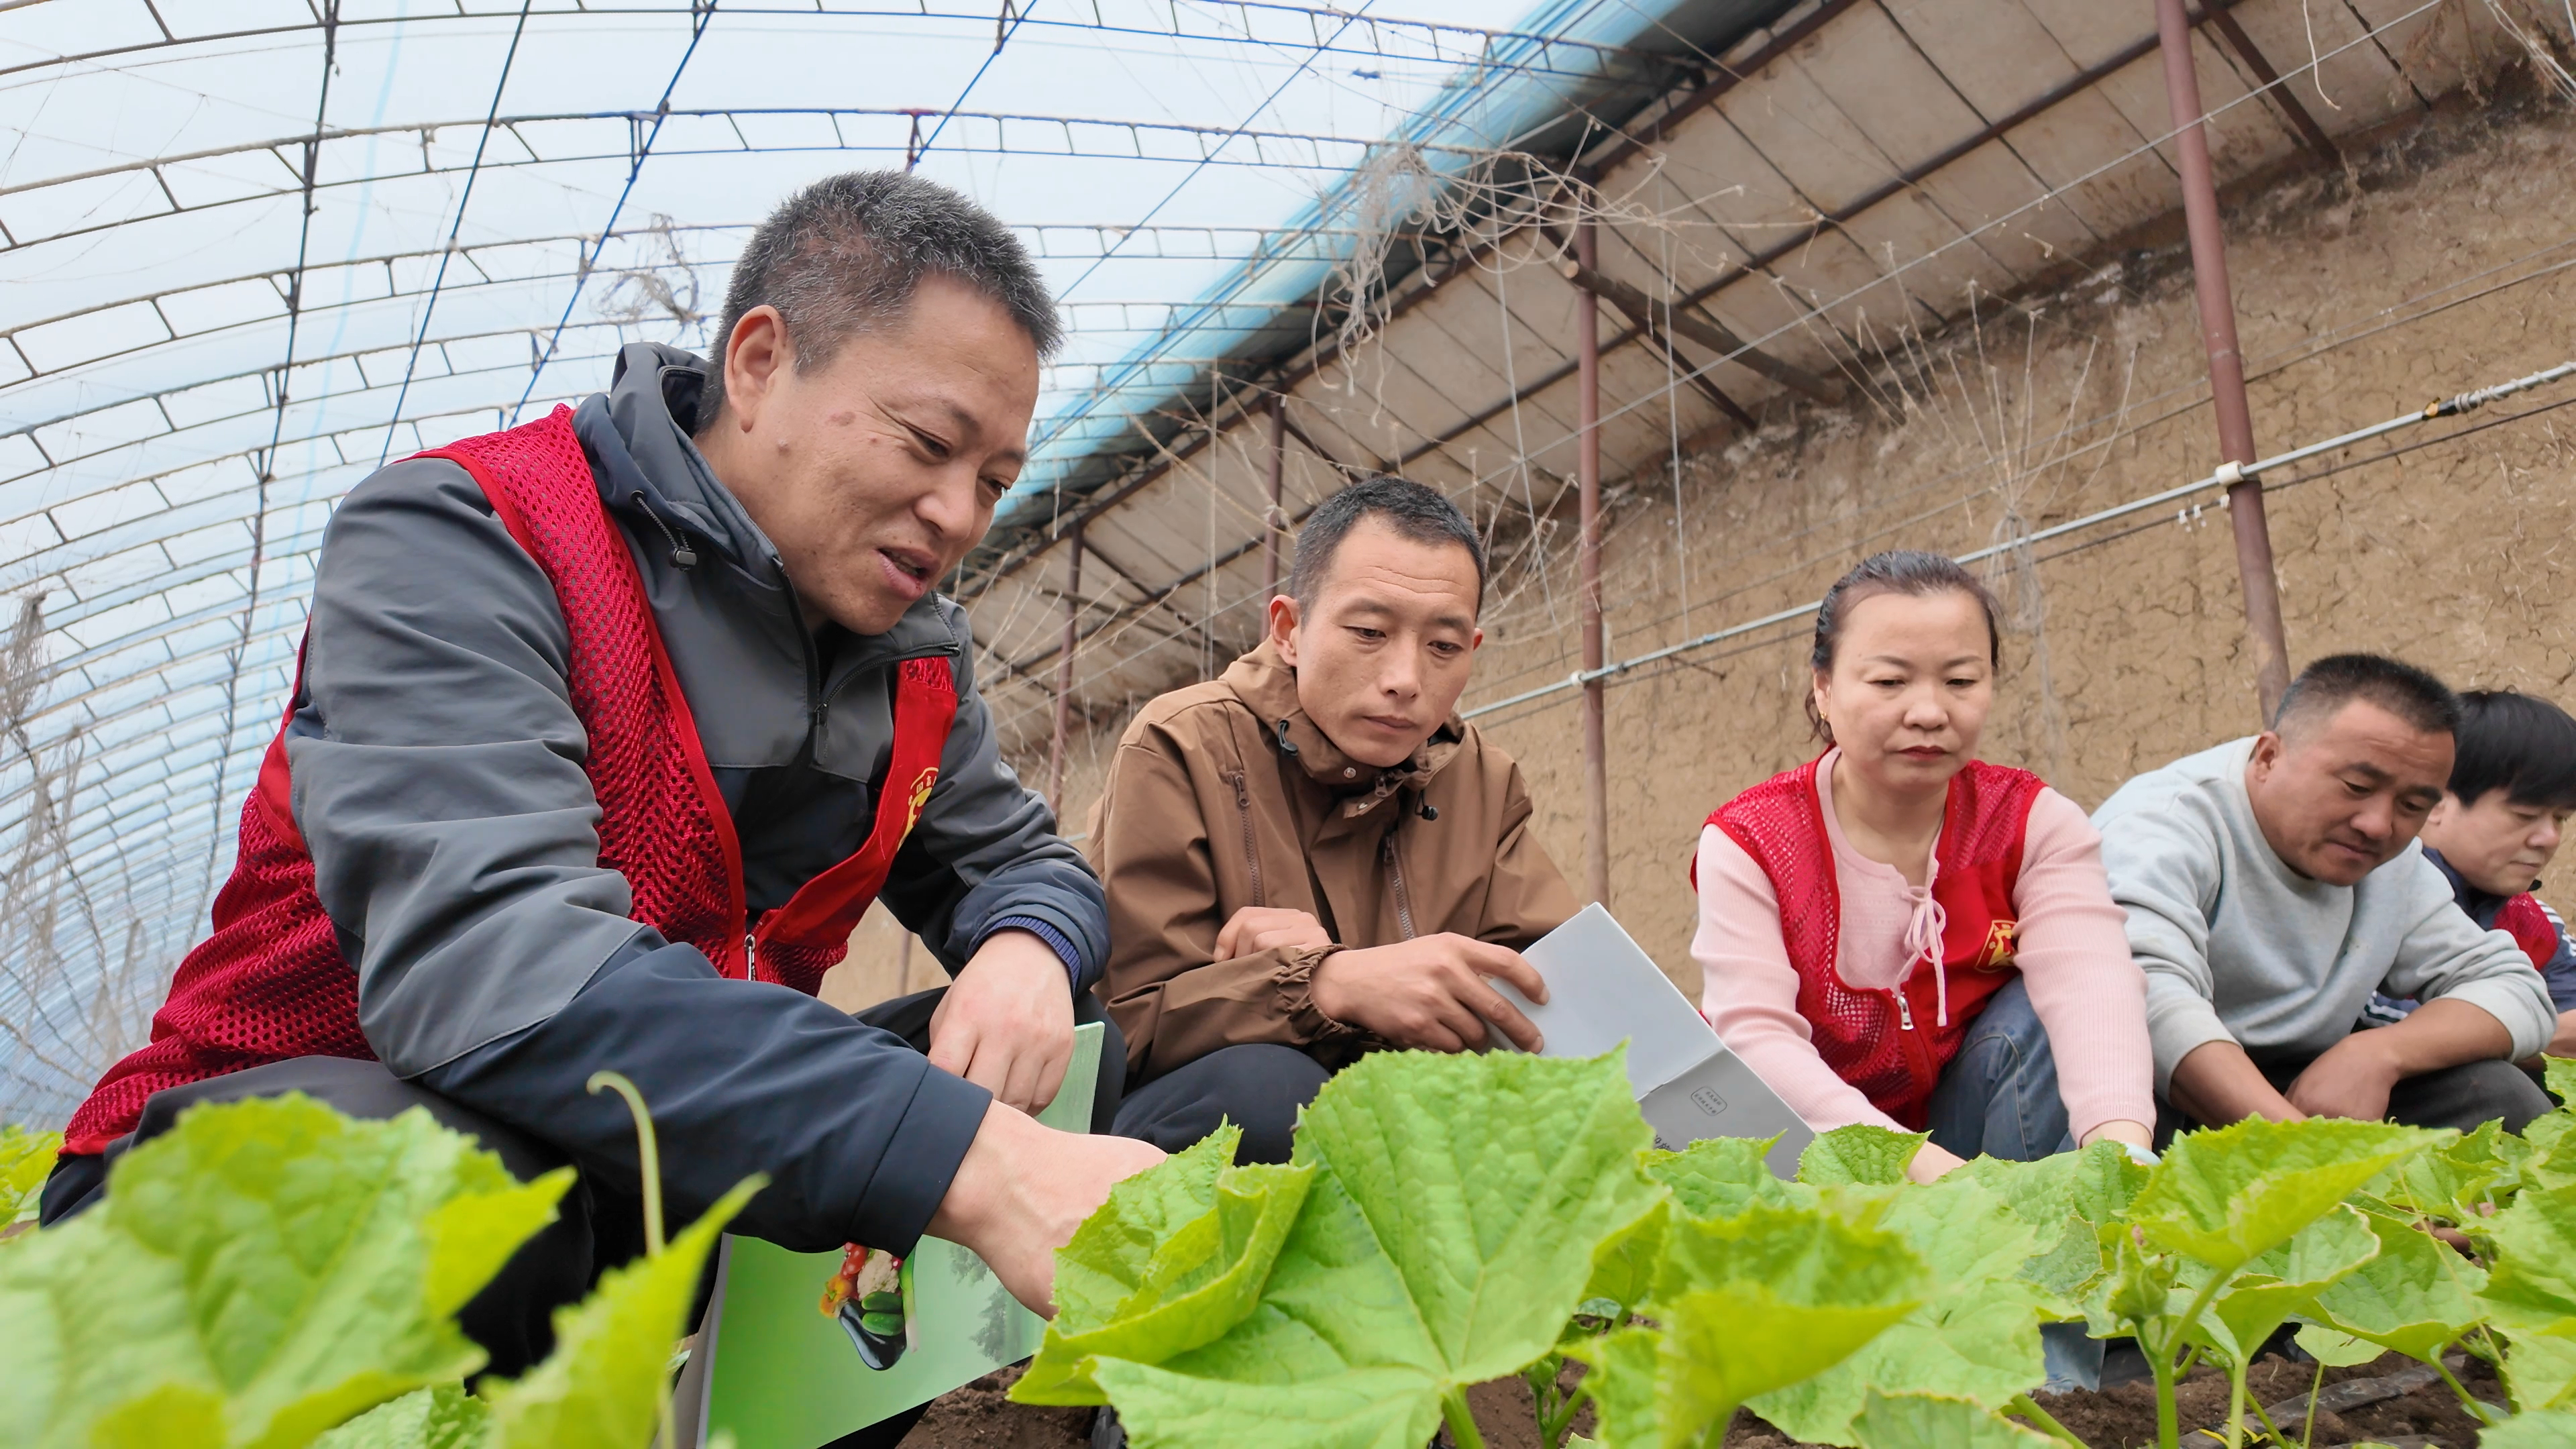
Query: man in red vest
[(611, 726)]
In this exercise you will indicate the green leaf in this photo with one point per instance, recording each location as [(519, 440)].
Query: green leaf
[(2545, 1134), (2459, 1182), (2417, 1296), (1817, 1286), (1447, 1233), (1975, 1336), (1622, 1386), (2544, 1430), (1930, 1421), (1205, 1278), (268, 1268), (1624, 1266), (2136, 1292), (2559, 1076), (2337, 1349), (2540, 1370), (26, 1160), (2552, 1160), (2531, 1284), (442, 1416), (1860, 1153), (2229, 1195), (2096, 1184), (2066, 1271), (2065, 1198), (1360, 1408), (1718, 1177), (2280, 1283), (1110, 1254), (603, 1385)]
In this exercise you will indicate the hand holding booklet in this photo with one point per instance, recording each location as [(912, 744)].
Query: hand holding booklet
[(1603, 990)]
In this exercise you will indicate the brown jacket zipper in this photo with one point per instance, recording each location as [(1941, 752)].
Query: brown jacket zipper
[(1403, 900), (1251, 852)]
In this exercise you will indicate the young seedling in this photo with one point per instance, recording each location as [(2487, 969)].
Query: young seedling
[(2219, 1201), (1742, 1307)]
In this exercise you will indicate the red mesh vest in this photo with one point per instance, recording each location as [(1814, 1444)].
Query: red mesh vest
[(1892, 1045), (2529, 925), (270, 983)]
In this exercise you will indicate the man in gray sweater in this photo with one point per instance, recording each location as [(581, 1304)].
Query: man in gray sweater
[(2273, 883)]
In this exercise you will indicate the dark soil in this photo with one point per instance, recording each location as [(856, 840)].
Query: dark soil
[(2116, 1418), (978, 1415)]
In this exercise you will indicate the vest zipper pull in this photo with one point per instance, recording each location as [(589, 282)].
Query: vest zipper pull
[(1904, 1011), (751, 961)]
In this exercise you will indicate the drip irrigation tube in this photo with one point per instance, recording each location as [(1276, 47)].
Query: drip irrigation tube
[(2226, 475)]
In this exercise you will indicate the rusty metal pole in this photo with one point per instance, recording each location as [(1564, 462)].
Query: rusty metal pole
[(1587, 474), (2226, 365), (1273, 521), (1064, 675)]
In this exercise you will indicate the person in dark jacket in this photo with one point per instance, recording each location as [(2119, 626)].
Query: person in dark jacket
[(603, 714), (2497, 827)]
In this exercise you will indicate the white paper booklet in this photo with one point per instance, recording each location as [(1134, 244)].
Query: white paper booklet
[(1603, 990)]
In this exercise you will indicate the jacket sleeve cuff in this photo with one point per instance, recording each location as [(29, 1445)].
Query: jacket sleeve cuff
[(1057, 941), (1293, 990), (919, 1162)]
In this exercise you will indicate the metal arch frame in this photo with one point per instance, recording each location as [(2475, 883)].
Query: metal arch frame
[(427, 129), (213, 682), (1374, 23), (176, 430), (29, 428), (212, 459), (467, 250), (48, 562)]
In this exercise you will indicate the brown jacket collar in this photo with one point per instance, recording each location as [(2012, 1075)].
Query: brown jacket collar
[(1268, 687)]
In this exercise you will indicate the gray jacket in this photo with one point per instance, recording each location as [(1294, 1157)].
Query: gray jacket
[(436, 764)]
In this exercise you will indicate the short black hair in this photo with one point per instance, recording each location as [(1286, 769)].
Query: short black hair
[(2403, 690), (1907, 571), (1416, 512), (848, 251), (2524, 746)]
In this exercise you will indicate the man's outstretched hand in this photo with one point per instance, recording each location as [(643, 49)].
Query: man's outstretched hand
[(1429, 992), (1021, 1191), (1006, 1023)]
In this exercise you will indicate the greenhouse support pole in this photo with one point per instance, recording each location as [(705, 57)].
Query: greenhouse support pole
[(1587, 466), (1273, 522), (2254, 571), (1064, 675)]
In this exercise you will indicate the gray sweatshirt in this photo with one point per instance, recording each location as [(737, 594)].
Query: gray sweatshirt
[(2236, 945)]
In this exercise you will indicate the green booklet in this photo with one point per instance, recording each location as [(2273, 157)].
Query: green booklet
[(799, 1349)]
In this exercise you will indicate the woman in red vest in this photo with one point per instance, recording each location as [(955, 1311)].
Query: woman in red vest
[(1898, 933)]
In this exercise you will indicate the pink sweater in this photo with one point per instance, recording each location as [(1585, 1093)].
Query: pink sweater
[(2073, 950)]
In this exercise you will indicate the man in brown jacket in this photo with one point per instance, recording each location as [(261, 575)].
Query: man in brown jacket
[(1313, 856)]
